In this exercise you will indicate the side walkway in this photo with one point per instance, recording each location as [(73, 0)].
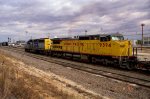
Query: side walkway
[(142, 56)]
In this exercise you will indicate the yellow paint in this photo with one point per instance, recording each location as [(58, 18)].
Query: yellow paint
[(95, 47), (47, 44)]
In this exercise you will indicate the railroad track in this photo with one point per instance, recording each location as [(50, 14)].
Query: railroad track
[(124, 76)]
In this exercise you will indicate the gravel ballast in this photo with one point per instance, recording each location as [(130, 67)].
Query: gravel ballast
[(105, 87)]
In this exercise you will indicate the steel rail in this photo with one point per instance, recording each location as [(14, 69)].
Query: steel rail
[(92, 70)]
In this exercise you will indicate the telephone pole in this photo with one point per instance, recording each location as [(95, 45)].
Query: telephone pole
[(85, 32), (142, 42)]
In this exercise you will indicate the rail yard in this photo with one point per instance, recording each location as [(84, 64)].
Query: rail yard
[(104, 81), (107, 49), (75, 49)]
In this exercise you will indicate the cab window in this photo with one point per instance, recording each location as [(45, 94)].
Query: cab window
[(102, 39), (117, 38), (105, 38)]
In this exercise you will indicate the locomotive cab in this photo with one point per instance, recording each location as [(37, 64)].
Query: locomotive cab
[(117, 38), (123, 48)]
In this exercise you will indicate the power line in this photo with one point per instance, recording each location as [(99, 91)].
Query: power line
[(136, 34)]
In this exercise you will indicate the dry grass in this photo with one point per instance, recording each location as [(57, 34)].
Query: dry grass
[(23, 82)]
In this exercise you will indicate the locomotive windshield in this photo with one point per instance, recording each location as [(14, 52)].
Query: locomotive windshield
[(117, 38)]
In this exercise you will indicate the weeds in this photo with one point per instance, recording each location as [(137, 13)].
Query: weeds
[(17, 81)]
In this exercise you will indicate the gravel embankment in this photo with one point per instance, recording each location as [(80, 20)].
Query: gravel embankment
[(21, 81), (103, 86)]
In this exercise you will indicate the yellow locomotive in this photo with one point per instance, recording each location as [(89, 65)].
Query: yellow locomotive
[(107, 49), (103, 48)]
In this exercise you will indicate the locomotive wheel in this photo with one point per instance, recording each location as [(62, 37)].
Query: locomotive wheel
[(105, 62), (61, 54), (127, 66), (130, 66), (93, 60), (122, 65)]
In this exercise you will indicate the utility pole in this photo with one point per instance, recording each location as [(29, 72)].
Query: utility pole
[(142, 25), (9, 39), (26, 32), (85, 32)]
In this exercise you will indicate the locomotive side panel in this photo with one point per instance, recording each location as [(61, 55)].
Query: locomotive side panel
[(40, 44), (95, 47), (121, 48)]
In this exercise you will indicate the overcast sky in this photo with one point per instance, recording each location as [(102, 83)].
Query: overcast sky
[(21, 19)]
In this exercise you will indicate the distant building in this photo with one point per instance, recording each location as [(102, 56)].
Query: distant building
[(20, 43), (146, 41)]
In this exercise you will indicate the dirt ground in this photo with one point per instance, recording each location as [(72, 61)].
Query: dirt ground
[(44, 77), (21, 81)]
